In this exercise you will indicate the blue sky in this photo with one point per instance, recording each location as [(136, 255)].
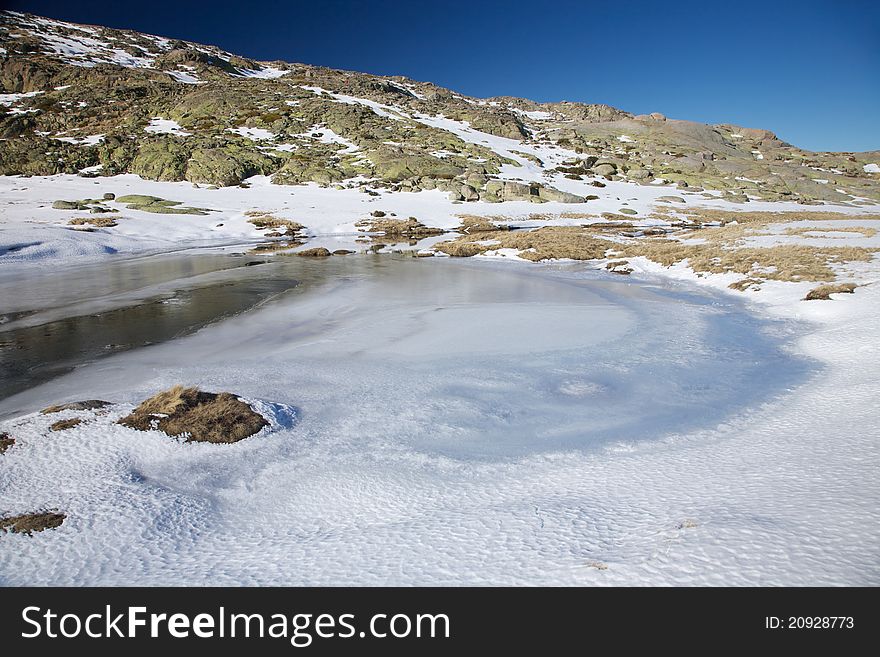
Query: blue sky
[(809, 71)]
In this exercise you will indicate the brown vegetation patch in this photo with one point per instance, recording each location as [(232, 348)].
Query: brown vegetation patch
[(824, 292), (61, 425), (474, 223), (6, 441), (784, 262), (806, 231), (200, 416), (718, 250), (28, 523), (86, 405), (547, 243)]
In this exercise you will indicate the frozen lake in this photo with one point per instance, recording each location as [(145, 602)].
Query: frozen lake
[(458, 357), (423, 389)]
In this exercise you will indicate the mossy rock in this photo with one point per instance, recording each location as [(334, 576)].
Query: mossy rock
[(68, 205)]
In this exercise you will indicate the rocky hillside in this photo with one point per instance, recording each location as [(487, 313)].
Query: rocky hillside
[(98, 102)]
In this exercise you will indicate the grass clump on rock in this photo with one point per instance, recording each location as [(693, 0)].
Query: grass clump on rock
[(406, 228), (264, 221), (198, 415), (28, 523), (97, 222), (317, 252)]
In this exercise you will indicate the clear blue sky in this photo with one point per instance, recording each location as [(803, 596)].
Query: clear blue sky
[(808, 70)]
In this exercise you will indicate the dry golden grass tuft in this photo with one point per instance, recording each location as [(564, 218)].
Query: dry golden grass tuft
[(28, 523), (200, 416), (824, 292), (554, 242)]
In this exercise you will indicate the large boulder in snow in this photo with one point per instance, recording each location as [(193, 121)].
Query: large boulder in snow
[(552, 194)]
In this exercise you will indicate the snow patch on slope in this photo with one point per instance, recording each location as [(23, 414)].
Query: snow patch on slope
[(162, 126)]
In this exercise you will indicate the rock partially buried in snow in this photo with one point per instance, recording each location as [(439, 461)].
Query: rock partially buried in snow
[(824, 292), (200, 416), (6, 441), (62, 425), (86, 405), (28, 523)]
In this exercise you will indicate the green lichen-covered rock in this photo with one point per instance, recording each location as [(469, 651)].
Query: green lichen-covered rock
[(396, 166), (161, 159), (37, 156), (226, 166), (157, 205), (116, 153)]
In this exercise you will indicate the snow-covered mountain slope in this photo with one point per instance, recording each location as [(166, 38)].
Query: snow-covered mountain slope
[(85, 99)]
